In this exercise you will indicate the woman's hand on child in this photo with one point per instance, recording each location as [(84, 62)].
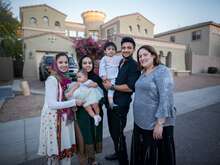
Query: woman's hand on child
[(79, 102), (93, 85)]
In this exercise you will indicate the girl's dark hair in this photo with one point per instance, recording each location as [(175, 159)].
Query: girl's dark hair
[(80, 62), (60, 55), (108, 43), (153, 52)]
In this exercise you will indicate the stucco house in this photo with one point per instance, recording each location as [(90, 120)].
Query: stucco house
[(46, 31)]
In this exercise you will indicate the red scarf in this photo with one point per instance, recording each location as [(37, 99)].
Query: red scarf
[(63, 81)]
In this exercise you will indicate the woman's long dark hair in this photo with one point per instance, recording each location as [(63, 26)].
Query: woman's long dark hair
[(81, 60)]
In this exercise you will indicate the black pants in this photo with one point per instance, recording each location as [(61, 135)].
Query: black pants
[(117, 118), (147, 151)]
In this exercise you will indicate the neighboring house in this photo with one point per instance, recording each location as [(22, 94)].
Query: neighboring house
[(142, 30), (203, 40), (45, 30)]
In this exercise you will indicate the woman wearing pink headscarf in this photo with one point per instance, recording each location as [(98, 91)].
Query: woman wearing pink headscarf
[(57, 136)]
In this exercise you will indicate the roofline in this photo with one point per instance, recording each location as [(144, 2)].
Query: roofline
[(42, 34), (148, 38), (121, 16), (40, 5), (187, 28), (74, 23)]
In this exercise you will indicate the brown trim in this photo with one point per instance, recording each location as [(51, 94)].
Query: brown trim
[(74, 23), (42, 34), (42, 30)]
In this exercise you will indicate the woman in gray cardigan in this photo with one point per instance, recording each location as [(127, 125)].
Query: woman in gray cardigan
[(154, 112)]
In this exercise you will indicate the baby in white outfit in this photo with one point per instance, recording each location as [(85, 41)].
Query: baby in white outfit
[(90, 95)]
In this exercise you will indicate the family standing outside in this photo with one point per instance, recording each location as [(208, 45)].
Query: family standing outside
[(72, 115)]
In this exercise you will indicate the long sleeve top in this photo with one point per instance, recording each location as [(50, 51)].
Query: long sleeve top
[(51, 95), (154, 98), (128, 74), (109, 66)]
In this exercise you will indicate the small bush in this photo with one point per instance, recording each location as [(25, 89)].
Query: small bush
[(212, 70)]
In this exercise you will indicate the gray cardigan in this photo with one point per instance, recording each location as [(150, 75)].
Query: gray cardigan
[(154, 98)]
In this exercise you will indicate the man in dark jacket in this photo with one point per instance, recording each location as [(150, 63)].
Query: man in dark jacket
[(123, 90)]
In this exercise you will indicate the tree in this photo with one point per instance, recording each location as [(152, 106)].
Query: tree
[(10, 44)]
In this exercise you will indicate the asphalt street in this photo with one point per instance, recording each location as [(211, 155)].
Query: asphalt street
[(197, 139)]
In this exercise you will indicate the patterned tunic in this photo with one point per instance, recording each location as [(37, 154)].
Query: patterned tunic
[(56, 138)]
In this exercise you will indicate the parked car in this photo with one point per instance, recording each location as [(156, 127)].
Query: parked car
[(46, 64), (73, 68)]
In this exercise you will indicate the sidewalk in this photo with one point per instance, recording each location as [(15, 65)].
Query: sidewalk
[(19, 139)]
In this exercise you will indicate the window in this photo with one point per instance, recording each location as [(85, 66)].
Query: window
[(94, 34), (57, 24), (72, 33), (130, 28), (33, 20), (145, 31), (172, 38), (196, 35), (81, 34), (46, 20), (110, 34), (139, 28)]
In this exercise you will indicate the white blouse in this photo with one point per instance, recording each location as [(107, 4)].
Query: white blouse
[(51, 93)]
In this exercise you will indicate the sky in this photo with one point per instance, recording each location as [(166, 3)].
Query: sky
[(165, 14)]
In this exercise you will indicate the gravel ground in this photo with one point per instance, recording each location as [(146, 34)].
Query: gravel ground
[(30, 106)]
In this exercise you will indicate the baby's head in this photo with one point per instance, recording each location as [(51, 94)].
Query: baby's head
[(110, 49), (82, 76)]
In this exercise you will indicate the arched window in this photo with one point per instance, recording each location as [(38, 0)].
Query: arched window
[(161, 54), (145, 31), (33, 20), (130, 28), (57, 24), (169, 59), (139, 28), (162, 58), (46, 20)]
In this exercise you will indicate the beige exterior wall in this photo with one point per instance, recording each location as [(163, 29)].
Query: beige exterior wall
[(133, 21), (201, 63), (36, 48), (39, 12), (214, 44), (200, 47), (115, 26)]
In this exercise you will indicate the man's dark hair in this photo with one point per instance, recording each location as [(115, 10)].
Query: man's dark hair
[(128, 39), (108, 43)]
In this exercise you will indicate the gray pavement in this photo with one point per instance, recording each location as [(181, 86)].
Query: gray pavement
[(6, 92), (19, 139)]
